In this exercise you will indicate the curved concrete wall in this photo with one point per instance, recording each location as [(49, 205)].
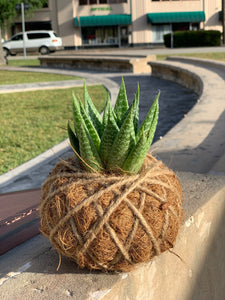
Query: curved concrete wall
[(197, 141), (179, 75)]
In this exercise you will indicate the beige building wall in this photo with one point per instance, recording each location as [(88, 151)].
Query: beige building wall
[(173, 6), (140, 29), (62, 20), (212, 8), (43, 14)]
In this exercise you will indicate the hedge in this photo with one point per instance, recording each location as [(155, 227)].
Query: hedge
[(198, 38)]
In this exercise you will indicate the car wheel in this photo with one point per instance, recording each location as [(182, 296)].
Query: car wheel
[(12, 53), (44, 50), (5, 51)]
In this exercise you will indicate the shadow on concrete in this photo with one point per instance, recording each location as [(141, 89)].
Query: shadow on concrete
[(202, 158)]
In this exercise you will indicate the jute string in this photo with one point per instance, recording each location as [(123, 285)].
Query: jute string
[(121, 186)]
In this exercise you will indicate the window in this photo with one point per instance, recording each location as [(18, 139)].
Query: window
[(91, 2), (83, 2), (117, 1), (18, 37), (100, 36), (45, 3), (158, 32), (33, 36), (167, 0)]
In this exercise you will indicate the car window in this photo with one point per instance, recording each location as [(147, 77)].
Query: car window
[(17, 37), (39, 35)]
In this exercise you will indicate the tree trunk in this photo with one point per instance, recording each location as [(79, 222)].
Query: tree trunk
[(2, 60), (223, 19)]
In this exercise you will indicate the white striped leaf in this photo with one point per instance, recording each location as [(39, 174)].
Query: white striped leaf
[(106, 113), (73, 139), (90, 127), (88, 152), (124, 141), (121, 105), (136, 110), (92, 112), (108, 137), (137, 155), (150, 121)]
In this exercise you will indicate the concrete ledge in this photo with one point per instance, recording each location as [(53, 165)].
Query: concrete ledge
[(197, 142), (100, 63), (195, 269), (177, 74), (207, 63)]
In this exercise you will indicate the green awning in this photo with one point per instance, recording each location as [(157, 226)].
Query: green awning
[(176, 17), (105, 20)]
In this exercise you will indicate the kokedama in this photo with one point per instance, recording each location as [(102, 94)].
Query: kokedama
[(112, 205)]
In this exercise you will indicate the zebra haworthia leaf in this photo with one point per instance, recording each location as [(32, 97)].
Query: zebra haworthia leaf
[(90, 127), (114, 142), (121, 105), (108, 138), (150, 121), (73, 139), (92, 111), (88, 151), (124, 140)]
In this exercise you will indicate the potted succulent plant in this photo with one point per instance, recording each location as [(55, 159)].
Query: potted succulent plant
[(112, 205)]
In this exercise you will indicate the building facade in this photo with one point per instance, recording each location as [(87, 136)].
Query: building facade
[(88, 23)]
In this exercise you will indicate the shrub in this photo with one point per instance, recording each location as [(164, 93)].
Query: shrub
[(198, 38)]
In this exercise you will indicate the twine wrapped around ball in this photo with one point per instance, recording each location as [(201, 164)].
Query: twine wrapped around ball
[(111, 221)]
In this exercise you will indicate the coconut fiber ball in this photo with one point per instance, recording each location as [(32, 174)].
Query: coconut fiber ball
[(111, 221)]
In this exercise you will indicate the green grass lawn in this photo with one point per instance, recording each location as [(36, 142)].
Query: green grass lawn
[(14, 77), (32, 122), (211, 55), (24, 62)]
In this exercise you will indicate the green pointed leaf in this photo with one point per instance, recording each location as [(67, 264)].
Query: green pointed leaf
[(88, 151), (137, 155), (77, 117), (106, 113), (90, 127), (108, 137), (78, 125), (124, 141), (73, 139), (135, 105), (136, 110), (121, 105), (150, 121), (92, 111)]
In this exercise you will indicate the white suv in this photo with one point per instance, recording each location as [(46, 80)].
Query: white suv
[(41, 41)]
